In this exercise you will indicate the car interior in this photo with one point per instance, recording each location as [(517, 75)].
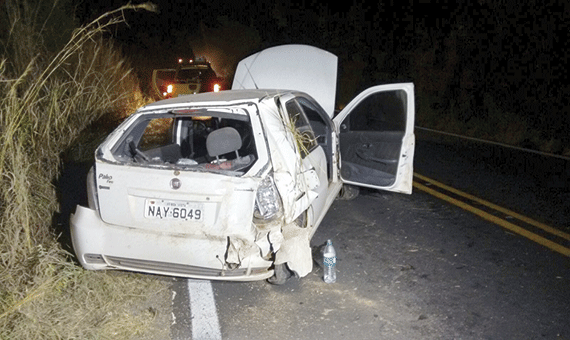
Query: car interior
[(210, 143)]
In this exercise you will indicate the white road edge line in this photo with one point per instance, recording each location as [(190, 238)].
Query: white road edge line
[(205, 325)]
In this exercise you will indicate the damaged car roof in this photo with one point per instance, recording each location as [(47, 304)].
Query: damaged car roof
[(230, 96)]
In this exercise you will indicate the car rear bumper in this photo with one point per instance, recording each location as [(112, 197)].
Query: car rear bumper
[(99, 245)]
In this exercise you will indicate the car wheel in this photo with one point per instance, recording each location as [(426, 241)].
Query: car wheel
[(281, 274), (348, 192)]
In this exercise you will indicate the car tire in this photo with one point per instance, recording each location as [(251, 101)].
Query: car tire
[(281, 274), (348, 192)]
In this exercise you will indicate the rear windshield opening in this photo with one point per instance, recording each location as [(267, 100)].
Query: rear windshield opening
[(189, 143)]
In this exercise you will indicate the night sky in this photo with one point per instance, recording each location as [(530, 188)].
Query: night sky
[(476, 58)]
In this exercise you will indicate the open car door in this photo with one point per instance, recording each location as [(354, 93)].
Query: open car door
[(376, 135)]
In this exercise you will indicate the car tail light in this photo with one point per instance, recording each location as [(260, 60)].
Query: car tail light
[(92, 196), (168, 92), (267, 202)]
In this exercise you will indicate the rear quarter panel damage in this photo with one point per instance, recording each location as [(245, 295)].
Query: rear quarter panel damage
[(290, 241)]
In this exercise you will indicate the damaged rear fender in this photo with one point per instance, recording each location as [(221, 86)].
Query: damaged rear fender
[(295, 249)]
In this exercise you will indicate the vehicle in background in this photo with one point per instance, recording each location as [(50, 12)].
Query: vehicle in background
[(189, 77)]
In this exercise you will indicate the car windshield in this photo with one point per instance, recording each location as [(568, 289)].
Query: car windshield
[(192, 140), (191, 74), (187, 75)]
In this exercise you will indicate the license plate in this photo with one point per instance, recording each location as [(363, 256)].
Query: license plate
[(173, 210)]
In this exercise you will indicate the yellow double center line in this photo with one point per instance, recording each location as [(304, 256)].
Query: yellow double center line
[(492, 218)]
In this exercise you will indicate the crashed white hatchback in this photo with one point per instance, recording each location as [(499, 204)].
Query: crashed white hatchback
[(232, 185)]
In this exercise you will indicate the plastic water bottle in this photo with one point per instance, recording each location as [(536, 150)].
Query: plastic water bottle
[(329, 262)]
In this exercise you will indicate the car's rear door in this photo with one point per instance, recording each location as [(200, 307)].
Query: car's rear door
[(376, 134)]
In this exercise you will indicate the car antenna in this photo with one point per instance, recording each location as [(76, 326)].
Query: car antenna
[(252, 79), (249, 72)]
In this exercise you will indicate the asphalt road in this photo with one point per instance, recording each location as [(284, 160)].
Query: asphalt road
[(534, 185), (411, 266), (415, 267)]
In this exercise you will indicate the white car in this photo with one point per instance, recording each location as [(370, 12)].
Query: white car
[(233, 185)]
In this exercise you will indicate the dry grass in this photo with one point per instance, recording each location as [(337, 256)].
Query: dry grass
[(45, 103)]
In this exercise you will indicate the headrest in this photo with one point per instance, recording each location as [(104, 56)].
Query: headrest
[(223, 141)]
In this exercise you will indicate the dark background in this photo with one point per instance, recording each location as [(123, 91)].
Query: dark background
[(473, 62)]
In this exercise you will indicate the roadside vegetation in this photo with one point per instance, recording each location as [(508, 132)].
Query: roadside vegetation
[(55, 80)]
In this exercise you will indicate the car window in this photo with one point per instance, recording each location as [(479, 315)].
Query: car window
[(187, 74), (157, 133), (165, 76), (383, 111), (315, 119), (302, 132), (202, 143)]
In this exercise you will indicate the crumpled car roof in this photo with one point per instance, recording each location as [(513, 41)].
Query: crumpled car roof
[(211, 97)]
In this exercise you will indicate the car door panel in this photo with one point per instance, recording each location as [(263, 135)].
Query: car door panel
[(311, 172), (367, 154), (377, 140), (316, 177)]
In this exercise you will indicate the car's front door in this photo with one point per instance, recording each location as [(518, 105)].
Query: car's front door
[(376, 133)]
